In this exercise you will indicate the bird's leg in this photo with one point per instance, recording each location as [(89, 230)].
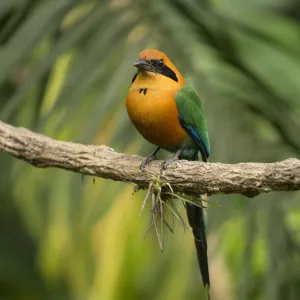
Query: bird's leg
[(150, 158), (170, 160)]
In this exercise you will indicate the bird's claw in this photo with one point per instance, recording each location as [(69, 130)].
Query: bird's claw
[(164, 165), (146, 162), (149, 159), (143, 166)]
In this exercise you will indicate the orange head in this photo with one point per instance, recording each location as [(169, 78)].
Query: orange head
[(155, 61)]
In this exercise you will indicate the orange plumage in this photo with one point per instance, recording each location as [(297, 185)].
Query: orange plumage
[(155, 113), (168, 113)]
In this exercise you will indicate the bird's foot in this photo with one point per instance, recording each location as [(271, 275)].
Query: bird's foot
[(165, 164), (149, 159)]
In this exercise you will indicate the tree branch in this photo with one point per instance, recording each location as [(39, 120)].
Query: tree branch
[(249, 179)]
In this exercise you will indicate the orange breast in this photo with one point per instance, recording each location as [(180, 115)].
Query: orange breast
[(155, 116)]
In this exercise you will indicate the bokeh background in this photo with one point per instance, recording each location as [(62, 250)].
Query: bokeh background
[(65, 68)]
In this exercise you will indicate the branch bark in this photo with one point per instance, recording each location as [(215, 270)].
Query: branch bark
[(249, 179)]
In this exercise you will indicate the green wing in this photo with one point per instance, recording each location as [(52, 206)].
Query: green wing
[(192, 118)]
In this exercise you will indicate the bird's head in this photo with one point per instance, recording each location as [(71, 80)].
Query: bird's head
[(155, 61)]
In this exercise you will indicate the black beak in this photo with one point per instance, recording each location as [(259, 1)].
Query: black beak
[(141, 64)]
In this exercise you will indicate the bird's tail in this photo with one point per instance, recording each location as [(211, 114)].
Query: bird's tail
[(196, 220)]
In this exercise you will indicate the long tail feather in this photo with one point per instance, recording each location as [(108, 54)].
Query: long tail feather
[(195, 216), (196, 219)]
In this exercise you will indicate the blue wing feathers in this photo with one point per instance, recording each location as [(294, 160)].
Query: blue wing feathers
[(192, 132)]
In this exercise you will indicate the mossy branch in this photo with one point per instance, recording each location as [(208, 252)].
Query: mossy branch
[(249, 179)]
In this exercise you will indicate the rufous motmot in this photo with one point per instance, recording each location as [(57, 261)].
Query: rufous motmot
[(167, 111)]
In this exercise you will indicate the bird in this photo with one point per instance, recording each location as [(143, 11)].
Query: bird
[(167, 111)]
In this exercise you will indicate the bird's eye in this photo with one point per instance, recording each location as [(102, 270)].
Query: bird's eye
[(160, 63)]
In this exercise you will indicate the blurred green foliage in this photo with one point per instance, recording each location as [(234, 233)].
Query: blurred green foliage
[(65, 67)]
